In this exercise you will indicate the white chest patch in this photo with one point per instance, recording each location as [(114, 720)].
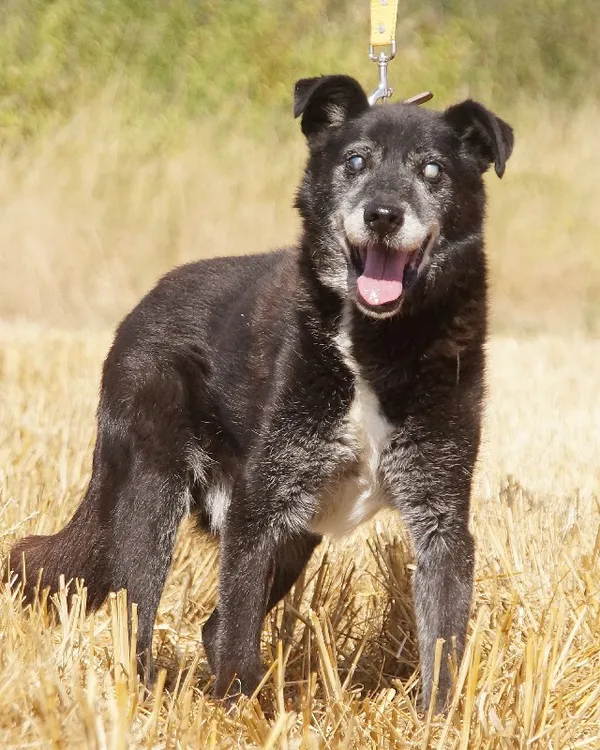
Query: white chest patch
[(357, 495)]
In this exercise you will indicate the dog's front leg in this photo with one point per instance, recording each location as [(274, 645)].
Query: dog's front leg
[(432, 492), (247, 560), (266, 540), (442, 587)]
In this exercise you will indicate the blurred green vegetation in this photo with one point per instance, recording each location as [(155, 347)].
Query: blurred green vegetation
[(164, 60)]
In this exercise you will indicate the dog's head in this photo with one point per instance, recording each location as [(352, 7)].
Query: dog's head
[(391, 194)]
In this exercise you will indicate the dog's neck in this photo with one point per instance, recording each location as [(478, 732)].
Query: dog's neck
[(319, 300)]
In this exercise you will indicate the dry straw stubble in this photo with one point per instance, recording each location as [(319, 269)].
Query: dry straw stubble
[(530, 675)]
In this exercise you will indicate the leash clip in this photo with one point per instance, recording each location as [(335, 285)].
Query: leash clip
[(383, 91)]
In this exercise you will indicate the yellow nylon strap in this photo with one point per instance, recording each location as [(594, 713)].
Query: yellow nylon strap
[(383, 22)]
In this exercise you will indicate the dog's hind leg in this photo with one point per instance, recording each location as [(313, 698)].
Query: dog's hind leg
[(150, 509), (152, 498), (123, 533), (128, 544)]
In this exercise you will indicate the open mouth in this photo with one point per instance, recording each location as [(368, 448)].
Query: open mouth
[(385, 272)]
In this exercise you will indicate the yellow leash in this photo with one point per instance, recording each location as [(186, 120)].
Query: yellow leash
[(384, 14), (382, 49)]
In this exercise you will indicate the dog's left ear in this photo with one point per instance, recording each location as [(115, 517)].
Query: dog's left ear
[(327, 101), (484, 134)]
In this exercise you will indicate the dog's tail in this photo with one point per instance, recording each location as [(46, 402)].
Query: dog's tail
[(80, 550)]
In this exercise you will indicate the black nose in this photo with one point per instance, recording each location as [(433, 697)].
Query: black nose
[(383, 218)]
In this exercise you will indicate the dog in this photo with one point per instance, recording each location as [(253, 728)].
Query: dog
[(285, 396)]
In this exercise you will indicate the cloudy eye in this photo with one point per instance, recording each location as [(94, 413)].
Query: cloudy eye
[(432, 170), (355, 163)]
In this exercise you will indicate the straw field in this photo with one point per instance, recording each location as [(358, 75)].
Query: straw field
[(136, 135), (341, 651)]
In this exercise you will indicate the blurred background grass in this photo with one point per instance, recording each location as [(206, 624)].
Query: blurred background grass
[(138, 134)]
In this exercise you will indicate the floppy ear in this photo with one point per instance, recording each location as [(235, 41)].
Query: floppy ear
[(488, 137), (327, 101)]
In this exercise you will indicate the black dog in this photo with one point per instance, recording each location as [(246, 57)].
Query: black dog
[(283, 396)]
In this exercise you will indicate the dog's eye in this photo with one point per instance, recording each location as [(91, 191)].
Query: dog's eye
[(355, 163), (432, 170)]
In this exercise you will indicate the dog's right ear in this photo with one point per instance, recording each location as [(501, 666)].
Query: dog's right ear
[(327, 102)]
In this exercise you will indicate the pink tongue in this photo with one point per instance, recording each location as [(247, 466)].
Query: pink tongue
[(381, 281)]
